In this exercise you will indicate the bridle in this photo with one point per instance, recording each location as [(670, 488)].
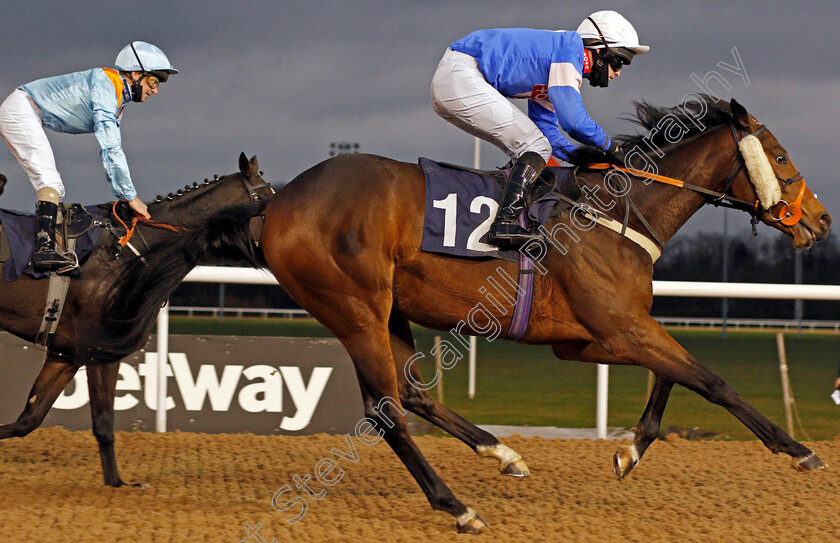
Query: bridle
[(792, 211), (124, 240), (252, 189)]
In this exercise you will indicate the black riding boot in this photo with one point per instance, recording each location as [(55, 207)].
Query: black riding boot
[(505, 232), (45, 257)]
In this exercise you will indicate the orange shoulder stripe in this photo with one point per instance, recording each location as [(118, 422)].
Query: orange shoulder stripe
[(115, 78)]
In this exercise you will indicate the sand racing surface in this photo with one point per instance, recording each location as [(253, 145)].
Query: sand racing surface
[(202, 487)]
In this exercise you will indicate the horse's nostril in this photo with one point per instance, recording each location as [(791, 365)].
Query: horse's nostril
[(825, 220)]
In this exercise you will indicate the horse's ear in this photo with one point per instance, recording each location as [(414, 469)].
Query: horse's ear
[(250, 169), (739, 114)]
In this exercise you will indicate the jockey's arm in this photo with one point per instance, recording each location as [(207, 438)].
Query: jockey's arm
[(107, 132), (574, 119), (546, 121)]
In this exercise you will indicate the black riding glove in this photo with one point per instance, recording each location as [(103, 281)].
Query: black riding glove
[(614, 152)]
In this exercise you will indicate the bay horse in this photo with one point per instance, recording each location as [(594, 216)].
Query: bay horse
[(22, 302), (344, 240)]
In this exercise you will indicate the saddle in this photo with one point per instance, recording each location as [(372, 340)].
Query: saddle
[(74, 219), (18, 234), (74, 233), (544, 185)]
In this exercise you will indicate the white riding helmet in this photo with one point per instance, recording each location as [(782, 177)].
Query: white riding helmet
[(617, 31), (139, 56)]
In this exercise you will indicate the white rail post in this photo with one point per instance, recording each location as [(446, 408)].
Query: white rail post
[(162, 357), (786, 394), (471, 384), (601, 401)]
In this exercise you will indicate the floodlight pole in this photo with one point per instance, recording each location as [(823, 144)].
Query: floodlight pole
[(473, 341)]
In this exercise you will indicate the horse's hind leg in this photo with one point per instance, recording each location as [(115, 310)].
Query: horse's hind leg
[(420, 402), (54, 376), (359, 320), (378, 382), (102, 386), (647, 429)]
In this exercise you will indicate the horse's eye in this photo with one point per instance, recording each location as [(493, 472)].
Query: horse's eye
[(781, 159)]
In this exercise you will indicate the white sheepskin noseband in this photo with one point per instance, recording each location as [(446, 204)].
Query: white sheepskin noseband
[(761, 172)]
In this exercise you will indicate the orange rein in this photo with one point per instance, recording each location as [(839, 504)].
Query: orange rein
[(790, 216), (639, 173), (673, 182), (129, 231)]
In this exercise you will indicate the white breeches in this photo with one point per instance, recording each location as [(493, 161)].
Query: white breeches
[(462, 96), (22, 130)]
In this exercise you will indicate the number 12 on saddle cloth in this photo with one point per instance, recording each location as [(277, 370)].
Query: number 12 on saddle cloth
[(461, 205)]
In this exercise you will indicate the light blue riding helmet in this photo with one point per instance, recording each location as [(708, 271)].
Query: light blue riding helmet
[(139, 56)]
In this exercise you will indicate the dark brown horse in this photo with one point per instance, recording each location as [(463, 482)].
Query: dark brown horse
[(77, 338), (344, 239)]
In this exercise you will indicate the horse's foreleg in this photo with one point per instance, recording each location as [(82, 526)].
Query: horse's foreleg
[(416, 398), (647, 429), (652, 348), (54, 376), (102, 385)]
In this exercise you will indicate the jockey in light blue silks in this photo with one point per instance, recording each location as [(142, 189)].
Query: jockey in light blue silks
[(85, 102), (479, 72)]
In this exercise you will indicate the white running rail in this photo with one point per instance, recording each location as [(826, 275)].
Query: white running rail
[(211, 274)]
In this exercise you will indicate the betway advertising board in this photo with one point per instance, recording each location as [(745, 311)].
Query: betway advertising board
[(215, 384)]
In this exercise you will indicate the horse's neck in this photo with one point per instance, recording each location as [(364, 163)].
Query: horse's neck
[(704, 162), (190, 208)]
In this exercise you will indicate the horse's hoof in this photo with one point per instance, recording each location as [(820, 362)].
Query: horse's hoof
[(123, 484), (510, 463), (516, 468), (624, 460), (471, 523), (810, 462)]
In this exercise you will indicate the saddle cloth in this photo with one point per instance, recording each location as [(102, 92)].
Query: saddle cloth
[(461, 205), (17, 243)]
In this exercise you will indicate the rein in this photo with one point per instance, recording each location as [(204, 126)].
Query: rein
[(790, 216), (129, 230), (718, 198)]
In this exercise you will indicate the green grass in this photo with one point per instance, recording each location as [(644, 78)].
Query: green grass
[(526, 385)]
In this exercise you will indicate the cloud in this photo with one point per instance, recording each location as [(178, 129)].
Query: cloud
[(283, 80)]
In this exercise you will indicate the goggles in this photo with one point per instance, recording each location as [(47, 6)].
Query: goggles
[(616, 63), (153, 81), (619, 57)]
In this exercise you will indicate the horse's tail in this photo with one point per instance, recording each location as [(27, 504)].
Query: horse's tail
[(143, 286)]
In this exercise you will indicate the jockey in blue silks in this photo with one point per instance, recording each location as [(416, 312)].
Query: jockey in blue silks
[(479, 72), (84, 102)]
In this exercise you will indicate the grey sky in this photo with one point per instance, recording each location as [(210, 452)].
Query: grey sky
[(284, 79)]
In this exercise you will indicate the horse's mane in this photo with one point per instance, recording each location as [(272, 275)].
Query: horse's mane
[(648, 116), (138, 292)]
